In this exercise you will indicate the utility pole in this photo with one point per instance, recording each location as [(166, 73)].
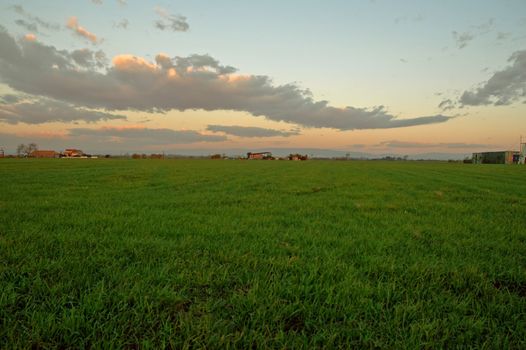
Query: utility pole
[(522, 152)]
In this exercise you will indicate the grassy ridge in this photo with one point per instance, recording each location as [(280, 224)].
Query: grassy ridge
[(199, 253)]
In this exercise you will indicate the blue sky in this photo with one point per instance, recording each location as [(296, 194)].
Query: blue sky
[(407, 56)]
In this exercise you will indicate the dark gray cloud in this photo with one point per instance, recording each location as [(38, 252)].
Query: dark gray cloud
[(446, 105), (176, 23), (250, 131), (89, 59), (32, 27), (14, 111), (503, 88), (30, 22), (204, 65), (451, 145), (145, 136), (180, 83), (9, 98)]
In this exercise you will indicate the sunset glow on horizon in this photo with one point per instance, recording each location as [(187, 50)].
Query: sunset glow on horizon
[(371, 77)]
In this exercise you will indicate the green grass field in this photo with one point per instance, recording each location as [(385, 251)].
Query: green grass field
[(239, 254)]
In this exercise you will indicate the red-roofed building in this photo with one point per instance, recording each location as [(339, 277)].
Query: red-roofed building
[(71, 152), (43, 154), (259, 155)]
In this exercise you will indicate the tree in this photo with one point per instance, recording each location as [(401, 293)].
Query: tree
[(25, 150), (20, 149)]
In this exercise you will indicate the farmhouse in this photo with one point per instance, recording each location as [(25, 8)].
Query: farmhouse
[(502, 157), (298, 156), (259, 155), (72, 153), (44, 154)]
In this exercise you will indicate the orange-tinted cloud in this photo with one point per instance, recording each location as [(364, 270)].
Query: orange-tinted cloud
[(30, 37), (134, 63), (45, 111), (73, 24), (46, 134), (145, 136), (178, 83), (251, 131)]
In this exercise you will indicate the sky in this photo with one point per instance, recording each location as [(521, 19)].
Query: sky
[(374, 76)]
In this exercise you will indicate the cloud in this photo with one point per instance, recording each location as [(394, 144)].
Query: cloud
[(501, 36), (122, 24), (32, 23), (30, 37), (249, 131), (32, 27), (73, 24), (485, 27), (176, 23), (13, 111), (89, 59), (462, 39), (503, 88), (416, 18), (446, 105), (194, 63), (9, 141), (180, 83), (109, 139), (9, 98), (146, 136), (99, 2), (452, 145)]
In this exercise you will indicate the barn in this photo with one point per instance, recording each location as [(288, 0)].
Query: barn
[(73, 153), (502, 157), (44, 154), (259, 155)]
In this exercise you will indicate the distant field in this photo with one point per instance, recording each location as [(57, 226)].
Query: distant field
[(210, 253)]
